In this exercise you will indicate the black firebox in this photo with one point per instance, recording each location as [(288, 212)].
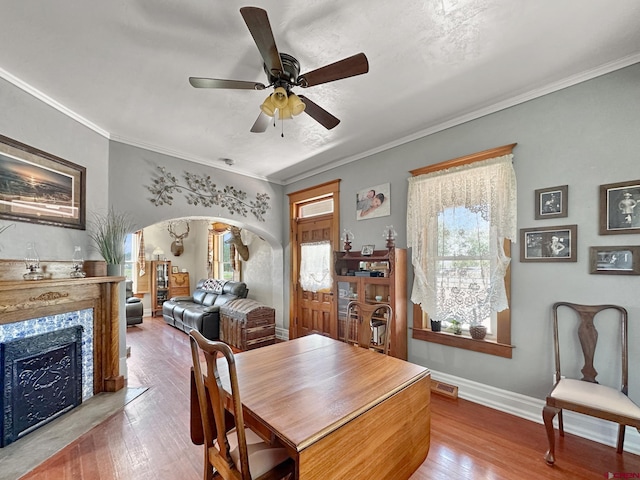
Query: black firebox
[(41, 379)]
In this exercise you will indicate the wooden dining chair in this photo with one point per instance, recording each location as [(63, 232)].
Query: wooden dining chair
[(586, 395), (369, 325), (231, 453)]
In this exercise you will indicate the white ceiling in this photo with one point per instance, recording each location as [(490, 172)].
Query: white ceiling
[(122, 68)]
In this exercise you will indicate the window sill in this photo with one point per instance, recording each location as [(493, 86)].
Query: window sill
[(489, 347)]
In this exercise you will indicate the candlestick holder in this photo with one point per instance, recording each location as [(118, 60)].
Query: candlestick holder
[(32, 263), (77, 263), (390, 235), (347, 238)]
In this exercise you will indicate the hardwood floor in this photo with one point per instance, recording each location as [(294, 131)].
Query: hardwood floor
[(149, 438)]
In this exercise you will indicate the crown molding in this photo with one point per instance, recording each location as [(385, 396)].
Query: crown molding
[(46, 99)]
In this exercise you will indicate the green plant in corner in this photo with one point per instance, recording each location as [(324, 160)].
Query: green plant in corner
[(108, 233)]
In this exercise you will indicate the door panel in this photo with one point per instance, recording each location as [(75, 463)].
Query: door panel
[(315, 310)]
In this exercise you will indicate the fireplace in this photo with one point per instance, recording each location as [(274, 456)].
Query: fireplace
[(41, 379), (22, 301)]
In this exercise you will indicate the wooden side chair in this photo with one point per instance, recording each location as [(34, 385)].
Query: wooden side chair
[(231, 453), (369, 325), (586, 395)]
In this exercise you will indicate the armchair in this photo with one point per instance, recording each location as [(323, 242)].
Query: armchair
[(133, 306)]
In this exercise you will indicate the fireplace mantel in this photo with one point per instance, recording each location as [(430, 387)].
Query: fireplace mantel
[(26, 299)]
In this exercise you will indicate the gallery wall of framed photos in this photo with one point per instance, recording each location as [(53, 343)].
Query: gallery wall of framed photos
[(618, 213)]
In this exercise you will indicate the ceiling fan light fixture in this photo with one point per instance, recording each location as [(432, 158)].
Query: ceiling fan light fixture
[(279, 97), (268, 107), (296, 105), (285, 113)]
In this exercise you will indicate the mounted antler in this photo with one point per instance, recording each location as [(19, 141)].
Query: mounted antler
[(236, 241), (176, 246)]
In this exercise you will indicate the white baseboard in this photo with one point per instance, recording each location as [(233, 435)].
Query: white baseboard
[(530, 408), (123, 367), (282, 333)]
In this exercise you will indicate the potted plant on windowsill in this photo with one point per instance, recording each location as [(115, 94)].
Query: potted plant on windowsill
[(108, 233), (436, 325), (477, 331), (455, 326)]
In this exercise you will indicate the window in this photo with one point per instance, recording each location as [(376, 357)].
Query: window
[(463, 266), (461, 216), (226, 263), (223, 261), (315, 208), (129, 257)]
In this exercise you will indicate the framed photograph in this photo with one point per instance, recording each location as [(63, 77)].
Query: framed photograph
[(618, 208), (367, 250), (174, 269), (373, 202), (552, 202), (38, 187), (618, 260), (549, 244)]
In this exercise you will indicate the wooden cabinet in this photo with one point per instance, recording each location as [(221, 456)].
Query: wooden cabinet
[(160, 285), (179, 285), (354, 281)]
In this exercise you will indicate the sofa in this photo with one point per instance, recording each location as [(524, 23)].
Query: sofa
[(133, 306), (201, 310)]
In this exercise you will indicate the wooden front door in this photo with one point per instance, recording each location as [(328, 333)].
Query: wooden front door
[(314, 312)]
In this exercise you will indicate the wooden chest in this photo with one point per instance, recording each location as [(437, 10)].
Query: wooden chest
[(247, 324)]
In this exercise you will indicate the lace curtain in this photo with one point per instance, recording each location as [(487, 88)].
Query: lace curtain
[(487, 188), (315, 266)]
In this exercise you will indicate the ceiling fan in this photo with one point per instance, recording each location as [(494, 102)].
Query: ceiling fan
[(283, 73)]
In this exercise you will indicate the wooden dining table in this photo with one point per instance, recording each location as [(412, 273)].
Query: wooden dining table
[(342, 412)]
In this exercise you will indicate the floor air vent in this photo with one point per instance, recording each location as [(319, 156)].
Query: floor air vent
[(445, 389)]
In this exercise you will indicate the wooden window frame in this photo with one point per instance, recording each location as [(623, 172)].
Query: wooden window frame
[(501, 345)]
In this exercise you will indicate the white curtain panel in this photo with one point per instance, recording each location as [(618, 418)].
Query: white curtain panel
[(487, 187), (315, 266)]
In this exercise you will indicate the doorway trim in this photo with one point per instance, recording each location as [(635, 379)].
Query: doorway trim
[(329, 189)]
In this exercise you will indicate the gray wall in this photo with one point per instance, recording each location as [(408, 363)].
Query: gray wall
[(582, 136), (131, 169), (28, 120)]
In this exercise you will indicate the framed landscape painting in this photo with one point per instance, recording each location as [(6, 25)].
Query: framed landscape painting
[(549, 244), (38, 187), (619, 210)]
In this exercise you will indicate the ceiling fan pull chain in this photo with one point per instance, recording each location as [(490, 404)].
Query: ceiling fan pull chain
[(282, 134)]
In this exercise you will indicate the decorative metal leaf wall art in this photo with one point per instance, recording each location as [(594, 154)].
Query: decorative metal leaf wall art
[(200, 190)]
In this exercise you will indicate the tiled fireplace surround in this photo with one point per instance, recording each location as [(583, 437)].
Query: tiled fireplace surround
[(32, 307)]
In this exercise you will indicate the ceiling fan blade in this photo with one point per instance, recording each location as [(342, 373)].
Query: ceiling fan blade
[(319, 114), (199, 82), (261, 124), (260, 28), (347, 67)]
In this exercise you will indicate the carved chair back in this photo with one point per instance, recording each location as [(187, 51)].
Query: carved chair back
[(369, 325)]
